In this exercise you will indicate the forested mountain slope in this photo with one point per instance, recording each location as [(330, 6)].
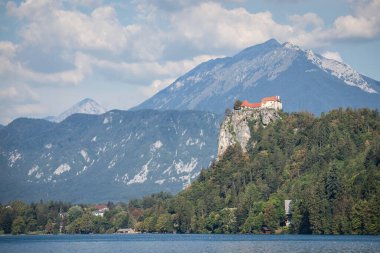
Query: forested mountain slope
[(329, 166)]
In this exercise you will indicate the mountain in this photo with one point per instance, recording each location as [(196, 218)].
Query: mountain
[(86, 106), (115, 156), (304, 80)]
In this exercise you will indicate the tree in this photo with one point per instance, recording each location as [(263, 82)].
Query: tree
[(121, 220), (229, 220), (6, 220), (74, 213), (164, 223), (214, 223), (150, 224), (51, 227), (237, 104), (332, 184), (31, 225), (86, 223), (18, 226)]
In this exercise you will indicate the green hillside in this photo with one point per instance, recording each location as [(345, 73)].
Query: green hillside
[(329, 166)]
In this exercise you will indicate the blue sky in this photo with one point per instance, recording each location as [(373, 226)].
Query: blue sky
[(56, 53)]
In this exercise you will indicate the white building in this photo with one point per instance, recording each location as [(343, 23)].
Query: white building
[(273, 102), (288, 211)]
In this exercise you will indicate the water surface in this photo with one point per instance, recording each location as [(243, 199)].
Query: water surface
[(159, 243)]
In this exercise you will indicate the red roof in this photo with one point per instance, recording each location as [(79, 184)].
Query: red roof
[(249, 105), (272, 98), (100, 207), (245, 103)]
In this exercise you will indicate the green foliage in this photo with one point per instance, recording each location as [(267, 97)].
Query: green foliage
[(18, 225), (329, 166), (74, 213)]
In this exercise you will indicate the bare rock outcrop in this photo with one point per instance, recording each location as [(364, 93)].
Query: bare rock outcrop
[(236, 127)]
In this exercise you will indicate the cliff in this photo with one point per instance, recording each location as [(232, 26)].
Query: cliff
[(235, 127)]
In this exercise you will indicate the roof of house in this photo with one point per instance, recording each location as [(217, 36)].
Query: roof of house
[(272, 98), (245, 103), (100, 207)]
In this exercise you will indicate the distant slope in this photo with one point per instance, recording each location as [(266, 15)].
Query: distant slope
[(115, 156), (304, 80), (86, 106)]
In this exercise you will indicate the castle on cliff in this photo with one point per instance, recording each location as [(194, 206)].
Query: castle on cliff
[(273, 102)]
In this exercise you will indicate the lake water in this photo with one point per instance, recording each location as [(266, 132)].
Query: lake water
[(159, 243)]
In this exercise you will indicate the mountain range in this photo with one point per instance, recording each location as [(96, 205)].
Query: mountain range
[(304, 80), (87, 154), (86, 106), (115, 156)]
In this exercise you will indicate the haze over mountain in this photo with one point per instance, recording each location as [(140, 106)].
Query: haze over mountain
[(120, 155), (115, 156), (86, 106), (304, 81)]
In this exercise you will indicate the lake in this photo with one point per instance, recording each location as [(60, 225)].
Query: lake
[(166, 243)]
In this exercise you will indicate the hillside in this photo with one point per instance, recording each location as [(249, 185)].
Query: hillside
[(329, 166), (304, 80), (115, 156)]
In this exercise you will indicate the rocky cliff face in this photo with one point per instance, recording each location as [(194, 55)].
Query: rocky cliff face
[(235, 127)]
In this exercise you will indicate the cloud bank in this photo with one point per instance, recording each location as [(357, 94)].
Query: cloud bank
[(145, 44)]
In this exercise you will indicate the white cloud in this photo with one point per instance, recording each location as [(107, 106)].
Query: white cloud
[(14, 71), (332, 55), (18, 93), (142, 72), (156, 86), (91, 38), (7, 49), (308, 19), (364, 23), (51, 26), (210, 26), (9, 111)]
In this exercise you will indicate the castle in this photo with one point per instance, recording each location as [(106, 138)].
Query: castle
[(273, 102)]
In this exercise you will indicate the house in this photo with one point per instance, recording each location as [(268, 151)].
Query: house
[(273, 102), (126, 231), (246, 105), (100, 210)]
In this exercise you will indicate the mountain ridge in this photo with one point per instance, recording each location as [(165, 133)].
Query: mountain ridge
[(85, 106), (267, 69), (119, 155)]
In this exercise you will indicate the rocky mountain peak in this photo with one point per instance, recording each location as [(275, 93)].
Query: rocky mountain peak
[(306, 81), (86, 106)]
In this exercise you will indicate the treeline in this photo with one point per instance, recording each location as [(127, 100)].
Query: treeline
[(58, 217), (329, 166)]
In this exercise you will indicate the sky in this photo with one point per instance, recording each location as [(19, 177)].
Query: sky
[(55, 53)]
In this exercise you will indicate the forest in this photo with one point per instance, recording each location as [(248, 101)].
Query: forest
[(329, 166)]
